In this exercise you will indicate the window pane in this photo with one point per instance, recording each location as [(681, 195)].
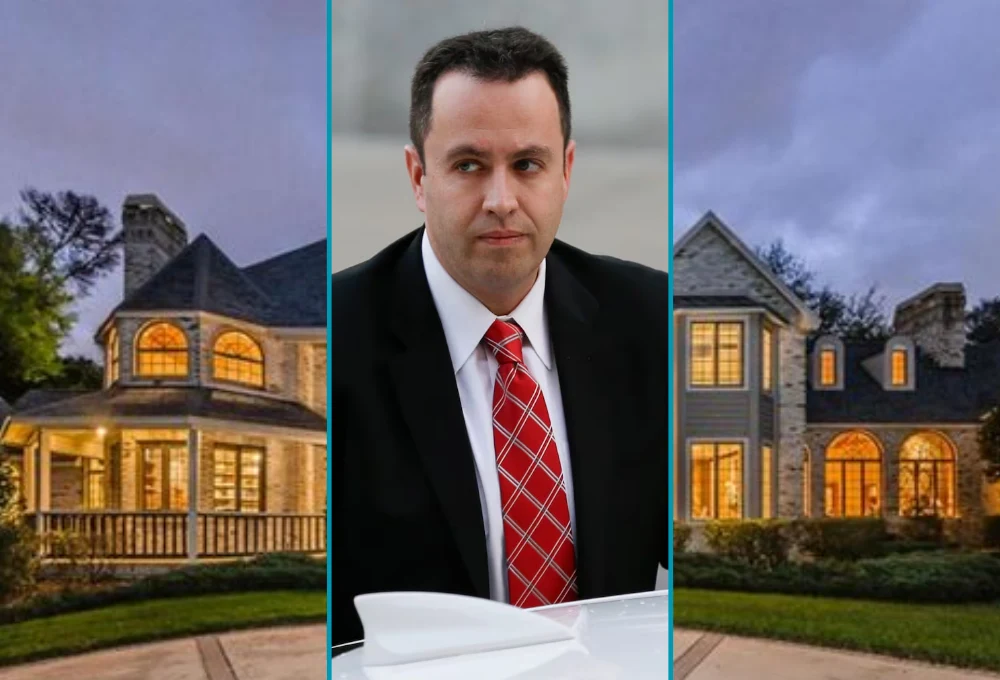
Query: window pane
[(95, 484), (702, 354), (833, 490), (828, 367), (250, 480), (731, 354), (178, 482), (765, 491), (702, 481), (730, 491), (899, 367), (152, 478), (225, 479)]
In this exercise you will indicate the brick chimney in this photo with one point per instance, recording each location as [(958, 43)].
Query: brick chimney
[(935, 319), (153, 235)]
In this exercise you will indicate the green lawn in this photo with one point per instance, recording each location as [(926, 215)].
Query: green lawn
[(961, 635), (155, 619)]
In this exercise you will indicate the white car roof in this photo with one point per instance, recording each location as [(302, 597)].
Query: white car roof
[(417, 636)]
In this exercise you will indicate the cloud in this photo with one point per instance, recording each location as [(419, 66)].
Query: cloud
[(865, 134)]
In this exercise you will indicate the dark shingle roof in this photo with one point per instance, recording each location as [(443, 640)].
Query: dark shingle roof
[(942, 395), (288, 290), (4, 409), (297, 281), (204, 402), (42, 397), (722, 301)]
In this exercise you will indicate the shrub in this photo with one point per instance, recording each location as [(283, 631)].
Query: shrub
[(270, 572), (763, 543), (938, 577), (991, 532), (18, 548), (682, 537), (925, 529), (842, 539)]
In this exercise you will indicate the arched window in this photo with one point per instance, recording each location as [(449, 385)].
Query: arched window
[(161, 351), (853, 476), (238, 358), (927, 476)]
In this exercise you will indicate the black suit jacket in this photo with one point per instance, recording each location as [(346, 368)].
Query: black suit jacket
[(405, 508)]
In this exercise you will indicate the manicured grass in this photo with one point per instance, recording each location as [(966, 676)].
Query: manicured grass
[(960, 635), (154, 620)]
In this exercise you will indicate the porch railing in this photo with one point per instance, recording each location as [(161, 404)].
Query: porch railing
[(150, 535)]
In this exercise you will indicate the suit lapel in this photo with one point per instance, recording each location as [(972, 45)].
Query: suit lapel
[(428, 396), (583, 357)]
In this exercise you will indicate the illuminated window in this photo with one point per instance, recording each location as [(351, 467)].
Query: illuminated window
[(806, 483), (716, 480), (238, 358), (899, 366), (717, 354), (766, 350), (164, 476), (239, 476), (95, 476), (927, 476), (113, 349), (162, 351), (853, 477), (766, 500), (827, 367)]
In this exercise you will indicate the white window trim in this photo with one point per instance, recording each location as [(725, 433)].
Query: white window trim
[(745, 469), (905, 343), (825, 343), (717, 318)]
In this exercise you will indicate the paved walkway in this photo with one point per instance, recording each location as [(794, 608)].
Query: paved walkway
[(707, 656), (296, 653)]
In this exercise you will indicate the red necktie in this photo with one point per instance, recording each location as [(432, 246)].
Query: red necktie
[(541, 564)]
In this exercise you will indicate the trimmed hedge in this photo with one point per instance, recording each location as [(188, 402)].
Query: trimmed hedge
[(682, 537), (842, 539), (268, 572), (917, 577), (763, 543), (991, 532)]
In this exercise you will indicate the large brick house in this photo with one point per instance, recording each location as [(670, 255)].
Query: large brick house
[(773, 421), (209, 435)]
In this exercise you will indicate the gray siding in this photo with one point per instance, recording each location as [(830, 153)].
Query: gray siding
[(766, 418)]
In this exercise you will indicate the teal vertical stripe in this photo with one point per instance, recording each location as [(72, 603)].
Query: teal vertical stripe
[(329, 326), (670, 332)]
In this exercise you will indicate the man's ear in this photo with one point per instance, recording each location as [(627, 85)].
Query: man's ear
[(568, 159), (415, 169)]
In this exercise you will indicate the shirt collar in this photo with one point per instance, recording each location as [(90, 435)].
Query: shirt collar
[(466, 320)]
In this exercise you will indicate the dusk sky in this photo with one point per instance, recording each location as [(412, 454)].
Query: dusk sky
[(218, 107), (866, 134)]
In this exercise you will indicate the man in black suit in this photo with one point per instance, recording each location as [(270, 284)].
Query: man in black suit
[(499, 398)]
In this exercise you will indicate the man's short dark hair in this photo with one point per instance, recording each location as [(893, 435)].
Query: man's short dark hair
[(505, 54)]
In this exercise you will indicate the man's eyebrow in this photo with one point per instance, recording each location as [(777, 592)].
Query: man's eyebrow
[(473, 151)]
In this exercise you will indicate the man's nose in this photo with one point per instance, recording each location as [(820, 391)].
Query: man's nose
[(501, 198)]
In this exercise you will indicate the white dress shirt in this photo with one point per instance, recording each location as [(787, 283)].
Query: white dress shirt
[(466, 320)]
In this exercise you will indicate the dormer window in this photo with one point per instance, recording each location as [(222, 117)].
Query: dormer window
[(828, 364), (161, 351), (238, 358)]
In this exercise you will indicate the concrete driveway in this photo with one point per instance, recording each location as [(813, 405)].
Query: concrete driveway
[(707, 656)]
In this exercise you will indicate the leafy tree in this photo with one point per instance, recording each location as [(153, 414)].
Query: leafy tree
[(853, 317), (983, 321), (57, 248), (18, 557)]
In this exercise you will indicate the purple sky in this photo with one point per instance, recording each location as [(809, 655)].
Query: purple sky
[(866, 134), (219, 107)]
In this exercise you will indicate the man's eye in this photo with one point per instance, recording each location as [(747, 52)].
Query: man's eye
[(467, 166), (527, 165)]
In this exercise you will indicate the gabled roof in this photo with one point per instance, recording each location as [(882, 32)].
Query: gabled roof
[(287, 290), (45, 396), (711, 221), (942, 395)]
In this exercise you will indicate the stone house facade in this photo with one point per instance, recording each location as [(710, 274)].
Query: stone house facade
[(209, 435), (772, 420)]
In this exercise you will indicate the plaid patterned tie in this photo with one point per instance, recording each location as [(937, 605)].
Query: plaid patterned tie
[(541, 565)]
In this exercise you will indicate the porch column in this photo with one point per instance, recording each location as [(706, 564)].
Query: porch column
[(194, 448)]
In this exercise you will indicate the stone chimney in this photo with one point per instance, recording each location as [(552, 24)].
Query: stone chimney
[(935, 319), (153, 235)]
